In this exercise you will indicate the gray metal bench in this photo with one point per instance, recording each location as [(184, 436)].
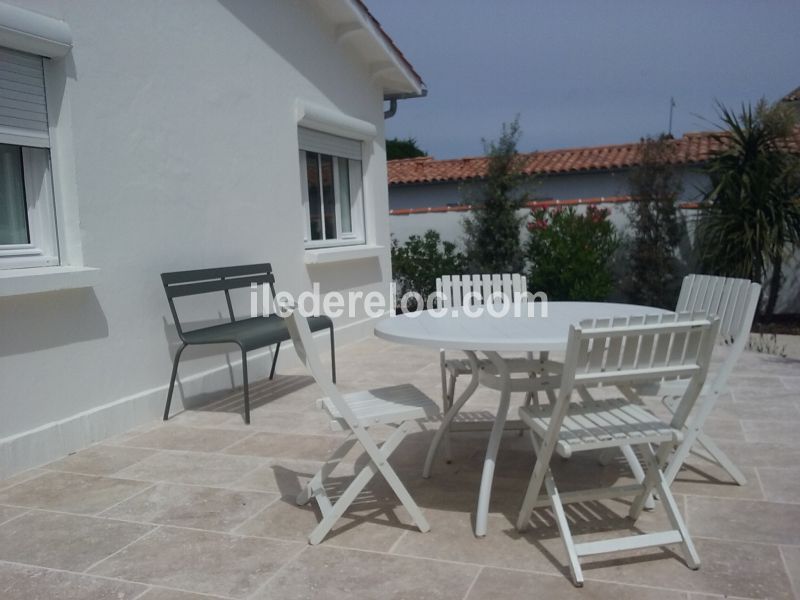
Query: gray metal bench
[(249, 334)]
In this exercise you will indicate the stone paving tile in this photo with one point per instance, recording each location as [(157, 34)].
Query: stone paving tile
[(192, 468), (701, 478), (61, 541), (791, 558), (224, 473), (367, 525), (9, 512), (288, 445), (167, 594), (780, 485), (326, 573), (101, 459), (21, 582), (20, 478), (213, 509), (744, 520), (726, 568), (780, 432), (71, 492), (493, 583), (200, 561), (176, 437), (762, 454), (283, 475)]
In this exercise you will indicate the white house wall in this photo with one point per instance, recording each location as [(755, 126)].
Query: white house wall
[(182, 136)]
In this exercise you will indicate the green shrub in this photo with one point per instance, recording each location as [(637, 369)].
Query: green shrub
[(570, 254), (420, 260)]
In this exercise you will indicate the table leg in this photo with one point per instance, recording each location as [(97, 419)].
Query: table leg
[(451, 414), (485, 495)]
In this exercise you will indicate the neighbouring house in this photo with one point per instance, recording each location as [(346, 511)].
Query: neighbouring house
[(144, 137), (425, 193)]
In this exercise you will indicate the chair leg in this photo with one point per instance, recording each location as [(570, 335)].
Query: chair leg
[(246, 388), (377, 464), (564, 530), (721, 458), (318, 480), (274, 360), (638, 473), (451, 394), (172, 379), (670, 506), (333, 358), (447, 420)]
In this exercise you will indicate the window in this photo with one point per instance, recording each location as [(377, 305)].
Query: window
[(27, 217), (332, 186)]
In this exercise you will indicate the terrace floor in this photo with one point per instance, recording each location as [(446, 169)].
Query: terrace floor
[(202, 507)]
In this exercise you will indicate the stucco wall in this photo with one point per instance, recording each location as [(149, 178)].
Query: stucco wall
[(183, 145)]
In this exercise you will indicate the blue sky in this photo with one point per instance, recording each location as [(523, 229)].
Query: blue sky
[(584, 72)]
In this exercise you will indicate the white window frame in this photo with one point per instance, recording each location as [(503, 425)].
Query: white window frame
[(357, 233), (42, 249)]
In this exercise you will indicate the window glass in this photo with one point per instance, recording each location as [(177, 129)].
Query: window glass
[(328, 197), (13, 207), (344, 194), (314, 195)]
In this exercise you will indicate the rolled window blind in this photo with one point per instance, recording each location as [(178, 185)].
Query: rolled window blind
[(325, 143), (23, 108)]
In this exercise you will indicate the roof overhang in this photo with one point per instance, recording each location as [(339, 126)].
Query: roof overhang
[(355, 27)]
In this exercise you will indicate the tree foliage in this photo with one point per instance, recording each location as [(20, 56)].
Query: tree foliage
[(492, 231), (569, 253), (652, 276), (403, 148), (750, 217), (420, 260)]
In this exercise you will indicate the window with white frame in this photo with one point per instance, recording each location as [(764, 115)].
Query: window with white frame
[(27, 216), (333, 190)]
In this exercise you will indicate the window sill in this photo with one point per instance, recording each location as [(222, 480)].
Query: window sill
[(35, 280), (318, 256)]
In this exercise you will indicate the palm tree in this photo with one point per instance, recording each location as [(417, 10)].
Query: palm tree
[(750, 216)]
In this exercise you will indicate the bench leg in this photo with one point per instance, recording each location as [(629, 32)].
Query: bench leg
[(246, 388), (274, 361), (333, 357), (172, 380)]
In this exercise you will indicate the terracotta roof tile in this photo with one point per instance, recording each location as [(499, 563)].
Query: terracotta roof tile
[(692, 148)]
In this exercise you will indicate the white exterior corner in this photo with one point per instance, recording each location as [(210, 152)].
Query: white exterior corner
[(32, 32)]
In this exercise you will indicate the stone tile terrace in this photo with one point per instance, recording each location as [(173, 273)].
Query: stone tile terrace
[(202, 508)]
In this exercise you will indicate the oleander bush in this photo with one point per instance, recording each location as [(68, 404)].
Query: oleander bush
[(570, 253)]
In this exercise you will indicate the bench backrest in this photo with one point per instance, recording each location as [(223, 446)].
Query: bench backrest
[(178, 284)]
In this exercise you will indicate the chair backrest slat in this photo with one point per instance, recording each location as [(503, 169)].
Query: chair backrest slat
[(734, 302), (479, 289)]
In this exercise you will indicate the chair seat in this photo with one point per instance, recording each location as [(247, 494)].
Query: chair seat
[(252, 333), (393, 404), (604, 423)]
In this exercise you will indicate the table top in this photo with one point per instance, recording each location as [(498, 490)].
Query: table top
[(518, 330)]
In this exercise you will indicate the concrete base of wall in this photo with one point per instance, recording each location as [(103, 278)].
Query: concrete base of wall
[(57, 439)]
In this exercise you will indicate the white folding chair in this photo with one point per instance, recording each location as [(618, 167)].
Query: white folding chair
[(619, 353), (734, 302), (454, 291), (396, 406), (475, 290)]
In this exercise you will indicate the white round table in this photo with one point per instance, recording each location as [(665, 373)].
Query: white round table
[(518, 330)]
